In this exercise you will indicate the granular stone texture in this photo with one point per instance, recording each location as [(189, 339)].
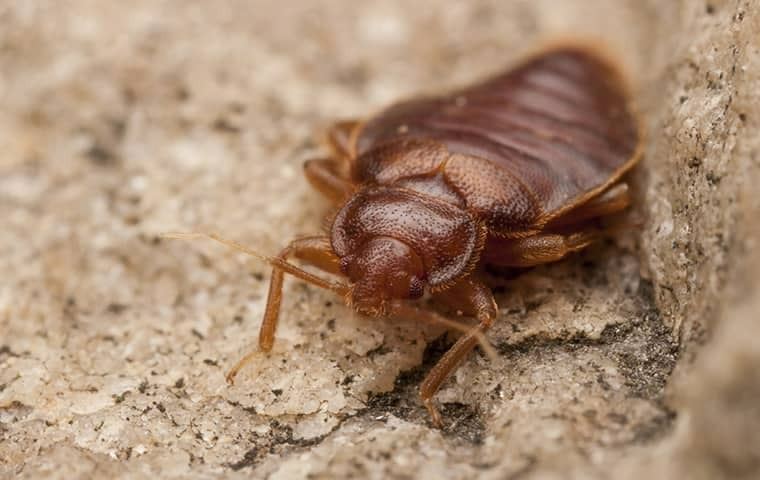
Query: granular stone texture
[(637, 358)]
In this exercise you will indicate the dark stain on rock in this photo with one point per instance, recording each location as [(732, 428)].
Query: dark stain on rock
[(16, 411), (5, 351), (279, 441), (119, 398), (656, 428), (225, 125), (101, 155), (116, 308), (249, 459), (380, 350)]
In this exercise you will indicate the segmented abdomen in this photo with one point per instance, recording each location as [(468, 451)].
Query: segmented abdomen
[(554, 132)]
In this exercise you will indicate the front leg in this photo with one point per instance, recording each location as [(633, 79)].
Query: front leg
[(472, 296), (313, 250)]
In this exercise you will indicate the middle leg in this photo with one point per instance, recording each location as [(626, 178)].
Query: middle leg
[(536, 250), (341, 137), (564, 235), (332, 175), (325, 176)]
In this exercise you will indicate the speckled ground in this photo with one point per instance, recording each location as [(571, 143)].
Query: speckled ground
[(122, 120)]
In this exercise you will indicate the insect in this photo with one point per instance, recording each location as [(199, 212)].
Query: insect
[(512, 172)]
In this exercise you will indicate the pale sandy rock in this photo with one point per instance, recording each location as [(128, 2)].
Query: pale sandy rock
[(120, 120)]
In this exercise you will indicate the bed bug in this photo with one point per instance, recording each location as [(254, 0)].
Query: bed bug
[(512, 172)]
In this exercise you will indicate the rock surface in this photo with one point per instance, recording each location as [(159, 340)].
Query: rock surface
[(121, 120)]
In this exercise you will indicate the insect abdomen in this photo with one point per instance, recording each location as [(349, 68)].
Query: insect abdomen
[(554, 132)]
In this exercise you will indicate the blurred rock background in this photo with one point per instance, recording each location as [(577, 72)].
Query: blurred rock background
[(121, 120)]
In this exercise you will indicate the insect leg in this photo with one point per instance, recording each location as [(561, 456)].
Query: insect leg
[(313, 250), (538, 249), (324, 175), (331, 175), (614, 200), (478, 299), (413, 312), (339, 138)]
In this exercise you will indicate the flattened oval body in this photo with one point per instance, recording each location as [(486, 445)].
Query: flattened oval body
[(520, 149)]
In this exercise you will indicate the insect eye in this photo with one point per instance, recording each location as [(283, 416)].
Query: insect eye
[(416, 288)]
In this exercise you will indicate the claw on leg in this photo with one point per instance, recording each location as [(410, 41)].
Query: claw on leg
[(478, 299), (313, 250), (232, 373), (435, 415)]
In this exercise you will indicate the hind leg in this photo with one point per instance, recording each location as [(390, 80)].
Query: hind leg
[(614, 200), (538, 249)]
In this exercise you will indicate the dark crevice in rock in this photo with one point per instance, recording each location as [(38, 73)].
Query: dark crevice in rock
[(642, 347), (461, 421), (657, 427), (643, 350)]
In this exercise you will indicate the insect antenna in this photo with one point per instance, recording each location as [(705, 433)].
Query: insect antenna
[(341, 289), (337, 287)]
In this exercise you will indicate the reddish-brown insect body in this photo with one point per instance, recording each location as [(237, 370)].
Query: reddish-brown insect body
[(510, 172)]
